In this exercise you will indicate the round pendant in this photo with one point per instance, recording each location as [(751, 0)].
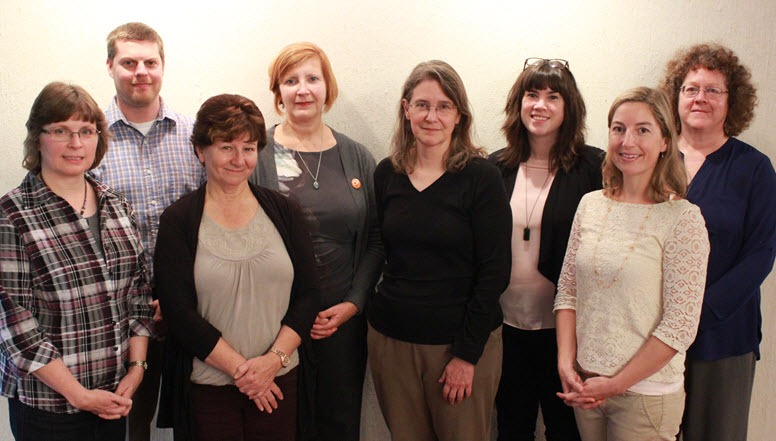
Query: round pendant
[(316, 185)]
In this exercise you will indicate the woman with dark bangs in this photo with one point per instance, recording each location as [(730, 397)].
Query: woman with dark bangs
[(547, 168)]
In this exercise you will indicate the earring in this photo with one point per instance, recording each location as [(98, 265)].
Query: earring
[(662, 155)]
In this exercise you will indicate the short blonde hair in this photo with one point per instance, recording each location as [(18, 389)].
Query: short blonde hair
[(669, 177), (288, 58)]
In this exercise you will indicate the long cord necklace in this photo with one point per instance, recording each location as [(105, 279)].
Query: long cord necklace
[(527, 229), (83, 206), (316, 184)]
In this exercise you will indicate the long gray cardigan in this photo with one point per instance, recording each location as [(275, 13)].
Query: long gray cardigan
[(358, 163)]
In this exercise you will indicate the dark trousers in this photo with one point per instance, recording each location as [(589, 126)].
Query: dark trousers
[(341, 361), (529, 379), (718, 396), (30, 424), (147, 395), (223, 413)]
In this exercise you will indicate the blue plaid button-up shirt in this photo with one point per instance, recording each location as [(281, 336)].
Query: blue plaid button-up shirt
[(152, 171)]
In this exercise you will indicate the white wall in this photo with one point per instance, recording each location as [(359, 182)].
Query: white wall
[(227, 46)]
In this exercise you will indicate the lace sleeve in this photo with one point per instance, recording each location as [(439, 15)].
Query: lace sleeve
[(567, 283), (685, 257)]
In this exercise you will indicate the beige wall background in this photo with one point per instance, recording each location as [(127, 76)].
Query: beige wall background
[(227, 46)]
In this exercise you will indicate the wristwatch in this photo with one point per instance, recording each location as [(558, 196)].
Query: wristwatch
[(142, 364), (285, 360)]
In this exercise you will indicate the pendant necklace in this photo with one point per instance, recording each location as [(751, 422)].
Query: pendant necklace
[(83, 206), (316, 185), (527, 229)]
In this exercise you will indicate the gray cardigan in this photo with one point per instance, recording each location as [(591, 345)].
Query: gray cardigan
[(358, 163)]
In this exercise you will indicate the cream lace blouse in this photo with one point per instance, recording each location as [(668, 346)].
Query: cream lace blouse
[(633, 271)]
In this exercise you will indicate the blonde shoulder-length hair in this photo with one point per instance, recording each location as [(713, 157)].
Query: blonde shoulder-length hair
[(669, 178), (462, 148)]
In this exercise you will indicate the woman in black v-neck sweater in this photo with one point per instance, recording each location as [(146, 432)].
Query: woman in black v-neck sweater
[(435, 321)]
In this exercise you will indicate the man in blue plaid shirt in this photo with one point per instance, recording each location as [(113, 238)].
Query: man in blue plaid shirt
[(150, 160)]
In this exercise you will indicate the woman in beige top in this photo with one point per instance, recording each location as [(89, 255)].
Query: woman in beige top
[(631, 287), (235, 275)]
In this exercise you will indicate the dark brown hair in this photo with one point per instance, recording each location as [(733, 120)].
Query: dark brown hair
[(571, 136), (226, 118), (59, 102)]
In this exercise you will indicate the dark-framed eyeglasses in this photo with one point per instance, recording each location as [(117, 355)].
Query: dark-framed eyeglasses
[(556, 63), (62, 134)]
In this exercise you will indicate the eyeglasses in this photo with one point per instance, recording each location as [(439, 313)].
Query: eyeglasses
[(442, 109), (556, 63), (711, 92), (60, 134)]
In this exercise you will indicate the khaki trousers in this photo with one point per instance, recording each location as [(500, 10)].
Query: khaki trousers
[(633, 417), (405, 376)]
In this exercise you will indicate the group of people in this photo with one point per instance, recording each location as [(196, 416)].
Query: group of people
[(256, 270)]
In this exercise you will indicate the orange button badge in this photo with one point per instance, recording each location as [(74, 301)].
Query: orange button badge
[(355, 183)]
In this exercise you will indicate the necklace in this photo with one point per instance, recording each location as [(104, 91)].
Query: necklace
[(316, 185), (628, 251), (83, 206), (527, 229)]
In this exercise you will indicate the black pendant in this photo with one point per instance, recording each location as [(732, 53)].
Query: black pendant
[(316, 185), (526, 233)]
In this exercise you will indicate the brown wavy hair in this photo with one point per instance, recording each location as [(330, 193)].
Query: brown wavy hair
[(225, 118), (462, 148), (292, 55), (742, 95), (571, 135), (59, 102), (669, 177)]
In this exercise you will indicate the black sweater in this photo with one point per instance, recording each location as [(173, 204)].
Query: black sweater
[(448, 257)]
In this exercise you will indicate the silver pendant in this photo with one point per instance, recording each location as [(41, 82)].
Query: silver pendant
[(316, 185)]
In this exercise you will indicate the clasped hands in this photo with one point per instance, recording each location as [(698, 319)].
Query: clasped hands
[(256, 379), (587, 394)]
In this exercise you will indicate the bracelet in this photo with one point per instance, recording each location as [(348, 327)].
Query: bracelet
[(142, 364)]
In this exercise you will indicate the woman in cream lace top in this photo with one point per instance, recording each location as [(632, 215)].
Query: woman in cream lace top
[(631, 287)]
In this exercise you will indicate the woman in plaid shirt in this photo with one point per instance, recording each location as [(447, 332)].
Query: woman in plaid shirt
[(74, 297)]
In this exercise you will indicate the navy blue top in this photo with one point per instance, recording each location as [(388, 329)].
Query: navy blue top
[(735, 189)]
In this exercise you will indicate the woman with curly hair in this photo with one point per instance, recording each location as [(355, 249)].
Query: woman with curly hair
[(735, 187)]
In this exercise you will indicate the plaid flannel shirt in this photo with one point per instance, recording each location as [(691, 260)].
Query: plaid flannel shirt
[(59, 299)]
